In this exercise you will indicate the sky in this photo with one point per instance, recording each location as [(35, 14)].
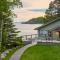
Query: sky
[(31, 9)]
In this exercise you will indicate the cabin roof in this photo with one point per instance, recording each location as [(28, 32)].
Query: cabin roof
[(58, 19)]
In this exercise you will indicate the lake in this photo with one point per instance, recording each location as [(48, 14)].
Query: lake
[(26, 29)]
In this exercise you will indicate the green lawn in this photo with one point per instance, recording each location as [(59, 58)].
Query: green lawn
[(42, 52)]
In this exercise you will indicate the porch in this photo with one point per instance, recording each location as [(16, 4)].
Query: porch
[(34, 38)]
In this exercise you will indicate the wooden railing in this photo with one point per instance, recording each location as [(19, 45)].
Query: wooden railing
[(36, 37), (29, 37)]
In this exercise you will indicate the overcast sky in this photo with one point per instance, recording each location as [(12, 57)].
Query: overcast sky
[(31, 9)]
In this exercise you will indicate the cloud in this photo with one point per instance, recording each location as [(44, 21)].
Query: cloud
[(31, 9), (36, 3), (38, 10), (27, 14)]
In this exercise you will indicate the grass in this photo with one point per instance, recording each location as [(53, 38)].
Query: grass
[(10, 54), (42, 52)]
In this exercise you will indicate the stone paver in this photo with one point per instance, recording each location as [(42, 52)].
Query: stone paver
[(17, 55)]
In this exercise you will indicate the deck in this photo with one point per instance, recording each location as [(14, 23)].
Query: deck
[(30, 39)]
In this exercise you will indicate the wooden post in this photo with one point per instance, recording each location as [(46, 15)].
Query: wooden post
[(26, 37)]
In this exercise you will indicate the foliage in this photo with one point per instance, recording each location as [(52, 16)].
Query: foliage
[(10, 54), (7, 31), (38, 20), (53, 11)]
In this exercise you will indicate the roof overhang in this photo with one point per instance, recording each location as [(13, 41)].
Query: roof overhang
[(38, 28)]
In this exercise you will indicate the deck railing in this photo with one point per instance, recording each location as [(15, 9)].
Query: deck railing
[(41, 37)]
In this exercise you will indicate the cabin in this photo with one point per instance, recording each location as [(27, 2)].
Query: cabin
[(50, 30)]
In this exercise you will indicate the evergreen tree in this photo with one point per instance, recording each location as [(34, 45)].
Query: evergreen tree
[(53, 11), (57, 7), (7, 30)]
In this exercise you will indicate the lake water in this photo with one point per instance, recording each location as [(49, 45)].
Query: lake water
[(26, 29)]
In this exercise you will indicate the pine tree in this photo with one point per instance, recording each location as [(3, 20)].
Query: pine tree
[(53, 11), (7, 30)]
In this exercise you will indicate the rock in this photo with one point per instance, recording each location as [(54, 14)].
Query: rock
[(3, 56), (7, 51)]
